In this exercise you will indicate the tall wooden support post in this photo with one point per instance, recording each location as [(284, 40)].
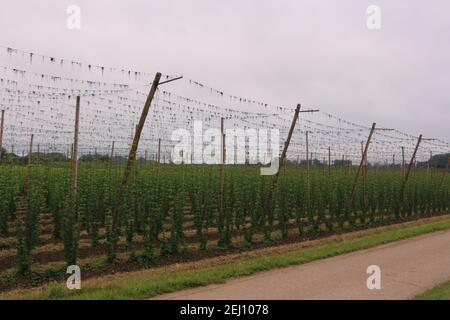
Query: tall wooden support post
[(75, 154), (363, 173), (111, 157), (429, 164), (403, 163), (366, 167), (308, 183), (2, 122), (222, 166), (70, 220), (27, 176), (329, 160), (411, 163), (280, 163), (133, 150), (30, 151), (159, 152), (361, 165)]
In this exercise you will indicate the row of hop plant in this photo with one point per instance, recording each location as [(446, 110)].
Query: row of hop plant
[(11, 179), (156, 199)]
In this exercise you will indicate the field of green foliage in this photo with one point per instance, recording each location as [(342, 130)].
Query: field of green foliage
[(171, 209)]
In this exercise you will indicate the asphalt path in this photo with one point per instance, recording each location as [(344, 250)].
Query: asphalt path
[(407, 268)]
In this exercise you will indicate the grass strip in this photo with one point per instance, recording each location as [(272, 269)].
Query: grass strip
[(150, 283), (440, 292)]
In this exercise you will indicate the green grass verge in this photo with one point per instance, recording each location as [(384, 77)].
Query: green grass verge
[(152, 283), (441, 292)]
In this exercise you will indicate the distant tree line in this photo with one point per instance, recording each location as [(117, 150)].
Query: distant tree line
[(438, 161), (55, 157)]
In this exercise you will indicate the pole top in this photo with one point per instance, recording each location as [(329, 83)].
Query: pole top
[(158, 75)]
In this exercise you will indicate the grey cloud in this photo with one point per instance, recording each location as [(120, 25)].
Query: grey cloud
[(316, 52)]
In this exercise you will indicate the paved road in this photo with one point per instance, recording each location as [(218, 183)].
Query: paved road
[(408, 267)]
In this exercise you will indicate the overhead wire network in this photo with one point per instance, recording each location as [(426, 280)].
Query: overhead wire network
[(38, 94)]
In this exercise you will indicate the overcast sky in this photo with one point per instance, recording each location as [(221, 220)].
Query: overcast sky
[(316, 52)]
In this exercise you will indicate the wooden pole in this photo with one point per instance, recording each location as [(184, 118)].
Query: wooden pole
[(411, 163), (429, 163), (27, 177), (222, 167), (280, 163), (75, 153), (30, 151), (1, 135), (159, 151), (224, 148), (307, 162), (363, 173), (111, 156), (355, 183), (133, 150), (403, 163), (329, 160)]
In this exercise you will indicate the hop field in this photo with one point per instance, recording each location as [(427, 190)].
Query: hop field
[(172, 213)]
